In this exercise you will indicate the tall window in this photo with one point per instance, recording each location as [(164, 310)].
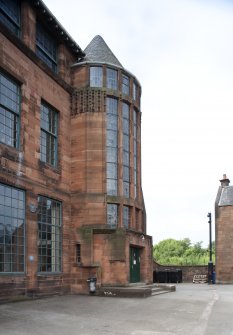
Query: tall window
[(48, 139), (125, 84), (134, 91), (46, 47), (112, 81), (10, 15), (96, 76), (112, 146), (49, 235), (126, 217), (12, 229), (112, 215), (126, 149), (78, 253), (9, 111), (135, 152)]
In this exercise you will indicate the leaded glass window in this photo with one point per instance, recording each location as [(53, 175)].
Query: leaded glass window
[(112, 146), (49, 235), (112, 215), (9, 111), (96, 76), (78, 253), (126, 149), (135, 154), (125, 84), (48, 141), (46, 47), (112, 82), (126, 216), (134, 91), (12, 229), (10, 15)]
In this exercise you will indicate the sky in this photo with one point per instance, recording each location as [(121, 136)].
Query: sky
[(181, 52)]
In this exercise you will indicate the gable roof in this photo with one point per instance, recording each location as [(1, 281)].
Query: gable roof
[(99, 52), (226, 197)]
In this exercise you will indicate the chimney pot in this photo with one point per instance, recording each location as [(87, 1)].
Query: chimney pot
[(225, 181)]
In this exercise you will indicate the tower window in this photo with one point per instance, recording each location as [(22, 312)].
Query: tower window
[(126, 149), (134, 91), (126, 216), (135, 154), (112, 215), (112, 82), (112, 146), (125, 84), (96, 76)]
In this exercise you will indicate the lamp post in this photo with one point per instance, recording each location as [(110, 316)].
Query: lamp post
[(210, 263)]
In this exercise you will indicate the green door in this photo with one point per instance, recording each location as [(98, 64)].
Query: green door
[(134, 265)]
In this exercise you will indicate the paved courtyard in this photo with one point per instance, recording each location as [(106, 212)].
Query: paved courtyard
[(194, 309)]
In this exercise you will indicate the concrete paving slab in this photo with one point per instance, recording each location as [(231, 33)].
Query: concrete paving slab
[(194, 309)]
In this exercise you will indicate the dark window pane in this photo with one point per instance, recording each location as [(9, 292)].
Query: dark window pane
[(10, 15), (9, 111), (11, 230), (48, 140), (46, 47)]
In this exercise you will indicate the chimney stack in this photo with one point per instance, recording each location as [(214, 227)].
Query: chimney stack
[(225, 181)]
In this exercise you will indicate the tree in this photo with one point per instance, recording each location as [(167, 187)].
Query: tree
[(180, 252)]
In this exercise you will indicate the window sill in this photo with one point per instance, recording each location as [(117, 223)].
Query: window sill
[(8, 274), (47, 274), (49, 170)]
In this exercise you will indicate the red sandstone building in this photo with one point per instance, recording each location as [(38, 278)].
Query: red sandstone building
[(224, 232), (71, 202)]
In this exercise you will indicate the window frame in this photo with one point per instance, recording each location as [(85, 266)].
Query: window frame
[(53, 161), (116, 218), (135, 151), (126, 148), (111, 79), (96, 76), (45, 38), (13, 218), (78, 253), (126, 225), (8, 112), (112, 136), (135, 91), (56, 238), (13, 23), (125, 87)]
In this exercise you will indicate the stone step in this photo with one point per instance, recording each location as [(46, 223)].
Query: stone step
[(138, 290)]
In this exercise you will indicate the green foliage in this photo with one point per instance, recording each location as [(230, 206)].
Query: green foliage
[(181, 252)]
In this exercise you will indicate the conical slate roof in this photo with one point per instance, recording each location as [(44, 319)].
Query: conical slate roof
[(98, 51)]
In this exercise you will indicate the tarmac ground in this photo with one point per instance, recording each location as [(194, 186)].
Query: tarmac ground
[(194, 309)]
